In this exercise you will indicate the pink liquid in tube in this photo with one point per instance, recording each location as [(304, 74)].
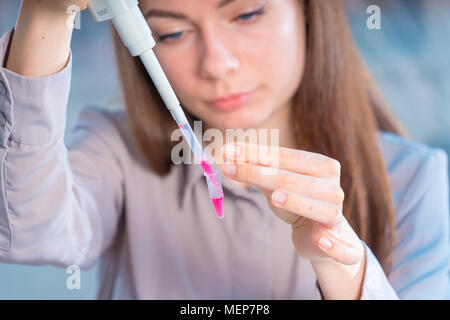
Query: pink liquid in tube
[(213, 180), (218, 205), (206, 166), (215, 191)]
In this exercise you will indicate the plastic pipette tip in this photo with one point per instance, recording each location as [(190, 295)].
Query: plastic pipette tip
[(218, 205), (215, 192)]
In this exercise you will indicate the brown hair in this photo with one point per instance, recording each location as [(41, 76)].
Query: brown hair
[(337, 112)]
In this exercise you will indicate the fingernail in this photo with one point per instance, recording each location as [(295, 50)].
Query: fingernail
[(232, 150), (279, 197), (325, 242), (230, 169)]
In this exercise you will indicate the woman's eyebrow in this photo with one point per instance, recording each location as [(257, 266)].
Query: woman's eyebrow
[(178, 15), (164, 14), (223, 3)]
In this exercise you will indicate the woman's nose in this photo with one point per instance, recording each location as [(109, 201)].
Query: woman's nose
[(217, 60)]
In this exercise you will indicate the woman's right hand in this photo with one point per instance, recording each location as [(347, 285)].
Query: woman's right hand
[(41, 41)]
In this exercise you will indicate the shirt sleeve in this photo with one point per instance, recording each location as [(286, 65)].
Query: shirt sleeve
[(58, 205), (375, 283), (421, 261), (421, 266)]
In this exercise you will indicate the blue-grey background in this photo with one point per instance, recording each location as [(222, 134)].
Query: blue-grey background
[(409, 57)]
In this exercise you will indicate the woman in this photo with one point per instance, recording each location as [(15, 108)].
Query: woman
[(355, 211)]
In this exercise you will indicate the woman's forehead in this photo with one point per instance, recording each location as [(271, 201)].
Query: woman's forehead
[(217, 4)]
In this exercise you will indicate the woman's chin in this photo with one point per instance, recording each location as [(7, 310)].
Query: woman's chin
[(235, 121)]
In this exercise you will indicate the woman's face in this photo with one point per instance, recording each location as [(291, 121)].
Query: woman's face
[(210, 49)]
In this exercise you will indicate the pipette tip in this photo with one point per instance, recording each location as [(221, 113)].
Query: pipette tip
[(218, 205), (215, 192)]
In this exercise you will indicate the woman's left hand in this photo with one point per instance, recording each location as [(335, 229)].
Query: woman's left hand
[(303, 189)]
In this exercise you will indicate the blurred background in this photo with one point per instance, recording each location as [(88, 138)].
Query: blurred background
[(409, 57)]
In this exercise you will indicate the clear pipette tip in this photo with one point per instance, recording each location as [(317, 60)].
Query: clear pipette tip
[(214, 182)]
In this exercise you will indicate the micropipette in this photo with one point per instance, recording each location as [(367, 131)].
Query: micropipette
[(136, 35)]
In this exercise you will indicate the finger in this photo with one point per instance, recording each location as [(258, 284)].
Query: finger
[(339, 250), (316, 210), (300, 161), (312, 187)]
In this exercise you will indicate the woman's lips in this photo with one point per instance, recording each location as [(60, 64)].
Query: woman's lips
[(232, 102)]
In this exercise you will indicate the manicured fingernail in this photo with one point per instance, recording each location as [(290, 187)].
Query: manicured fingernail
[(325, 242), (279, 197), (230, 169), (232, 150)]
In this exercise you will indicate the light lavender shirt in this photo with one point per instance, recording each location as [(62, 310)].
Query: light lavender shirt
[(158, 238)]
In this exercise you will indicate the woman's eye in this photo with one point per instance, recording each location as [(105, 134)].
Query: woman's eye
[(244, 17), (250, 15), (171, 36)]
